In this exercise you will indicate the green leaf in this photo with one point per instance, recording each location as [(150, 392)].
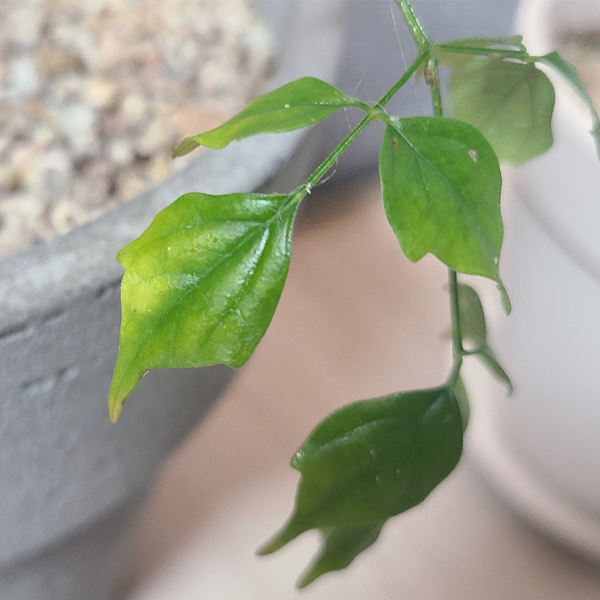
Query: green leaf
[(371, 460), (441, 191), (569, 72), (472, 317), (474, 330), (489, 360), (462, 398), (510, 103), (295, 105), (341, 545), (201, 284)]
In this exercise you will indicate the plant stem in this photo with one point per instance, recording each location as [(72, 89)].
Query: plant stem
[(433, 81), (416, 29), (491, 52), (432, 77), (330, 161)]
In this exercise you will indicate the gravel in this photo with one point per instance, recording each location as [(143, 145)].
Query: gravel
[(94, 95)]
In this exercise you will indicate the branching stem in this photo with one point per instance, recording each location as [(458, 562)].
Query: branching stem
[(433, 81), (333, 157)]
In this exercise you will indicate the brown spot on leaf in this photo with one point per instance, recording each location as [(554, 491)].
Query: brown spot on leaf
[(473, 155)]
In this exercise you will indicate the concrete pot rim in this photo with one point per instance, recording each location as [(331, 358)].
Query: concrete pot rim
[(43, 279), (59, 308)]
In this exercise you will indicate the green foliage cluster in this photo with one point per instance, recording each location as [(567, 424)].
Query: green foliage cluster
[(202, 283)]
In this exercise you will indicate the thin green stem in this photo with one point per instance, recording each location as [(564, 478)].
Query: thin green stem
[(416, 29), (432, 77), (333, 157), (490, 52)]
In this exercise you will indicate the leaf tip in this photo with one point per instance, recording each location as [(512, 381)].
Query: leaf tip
[(115, 408), (291, 530), (184, 147), (306, 578)]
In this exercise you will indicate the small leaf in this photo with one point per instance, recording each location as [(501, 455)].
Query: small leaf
[(369, 461), (441, 191), (341, 546), (569, 72), (201, 284), (472, 317), (489, 360), (295, 105), (474, 330), (462, 398), (510, 103)]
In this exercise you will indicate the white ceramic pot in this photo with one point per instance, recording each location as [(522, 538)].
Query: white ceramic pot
[(541, 448), (70, 482)]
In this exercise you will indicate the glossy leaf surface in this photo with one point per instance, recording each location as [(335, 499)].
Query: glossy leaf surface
[(371, 460), (441, 191), (295, 105), (510, 103), (201, 284)]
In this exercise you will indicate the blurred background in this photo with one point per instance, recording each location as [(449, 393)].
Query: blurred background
[(356, 320)]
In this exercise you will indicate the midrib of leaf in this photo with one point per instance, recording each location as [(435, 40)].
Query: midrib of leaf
[(247, 238), (464, 209)]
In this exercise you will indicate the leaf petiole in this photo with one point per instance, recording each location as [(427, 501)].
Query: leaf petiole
[(500, 53), (375, 112)]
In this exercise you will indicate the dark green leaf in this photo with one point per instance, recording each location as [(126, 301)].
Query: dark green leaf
[(488, 358), (472, 318), (371, 460), (295, 105), (569, 72), (510, 103), (201, 284), (441, 191), (341, 545)]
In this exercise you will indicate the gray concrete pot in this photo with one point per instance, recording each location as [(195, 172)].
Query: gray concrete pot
[(70, 482)]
